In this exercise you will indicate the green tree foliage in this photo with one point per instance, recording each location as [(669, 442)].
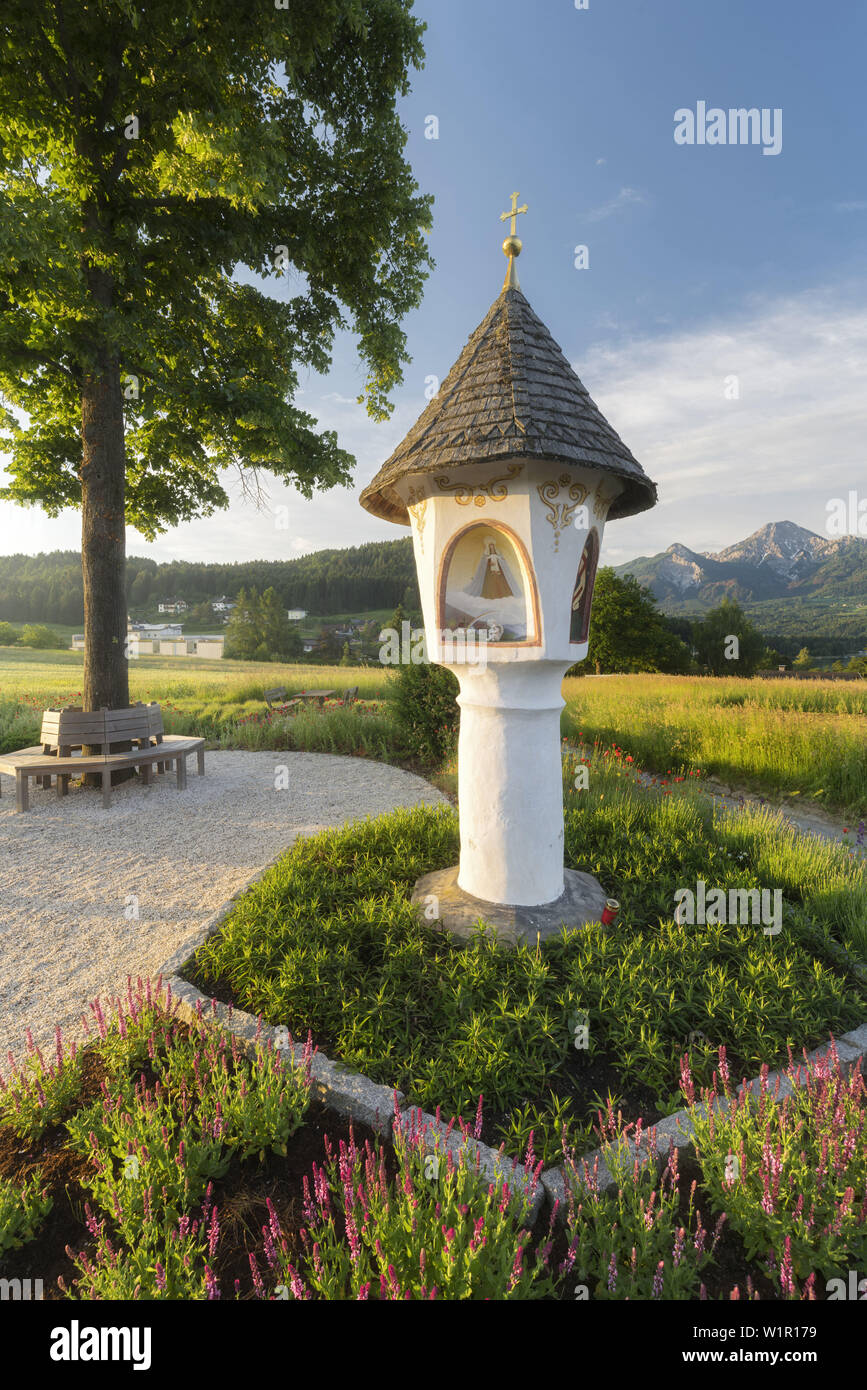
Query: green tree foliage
[(279, 635), (376, 575), (425, 704), (148, 150), (8, 635), (328, 647), (803, 661), (711, 640), (259, 630), (200, 615), (627, 631), (37, 635)]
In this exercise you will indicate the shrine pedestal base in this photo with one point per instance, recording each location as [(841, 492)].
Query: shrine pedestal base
[(444, 904)]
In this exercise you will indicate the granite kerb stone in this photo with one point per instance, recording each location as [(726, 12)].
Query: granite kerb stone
[(593, 1170)]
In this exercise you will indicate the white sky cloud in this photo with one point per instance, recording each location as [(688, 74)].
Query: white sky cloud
[(794, 439), (627, 197)]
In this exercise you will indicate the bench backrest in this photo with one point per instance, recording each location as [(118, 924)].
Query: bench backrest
[(73, 728), (77, 728), (121, 725), (155, 720), (349, 696), (276, 696)]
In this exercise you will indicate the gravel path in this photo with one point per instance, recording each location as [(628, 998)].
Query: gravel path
[(69, 870)]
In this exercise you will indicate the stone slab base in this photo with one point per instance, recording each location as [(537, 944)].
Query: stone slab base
[(458, 913)]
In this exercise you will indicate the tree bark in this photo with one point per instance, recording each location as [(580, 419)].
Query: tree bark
[(103, 543)]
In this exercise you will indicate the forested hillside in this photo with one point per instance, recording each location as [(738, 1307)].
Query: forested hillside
[(47, 588)]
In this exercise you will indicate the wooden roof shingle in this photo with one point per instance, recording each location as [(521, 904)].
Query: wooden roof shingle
[(511, 393)]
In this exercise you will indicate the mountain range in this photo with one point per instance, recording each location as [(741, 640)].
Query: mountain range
[(789, 580)]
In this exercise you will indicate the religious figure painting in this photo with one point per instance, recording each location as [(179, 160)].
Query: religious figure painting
[(582, 595), (484, 587)]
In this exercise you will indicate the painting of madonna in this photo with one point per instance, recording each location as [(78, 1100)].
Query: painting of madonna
[(484, 586)]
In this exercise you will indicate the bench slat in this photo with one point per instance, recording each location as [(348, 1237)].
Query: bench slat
[(74, 726)]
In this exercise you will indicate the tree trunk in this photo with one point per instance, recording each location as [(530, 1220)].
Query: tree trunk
[(103, 543)]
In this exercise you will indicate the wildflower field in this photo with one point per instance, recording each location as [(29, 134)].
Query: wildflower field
[(803, 740), (797, 740)]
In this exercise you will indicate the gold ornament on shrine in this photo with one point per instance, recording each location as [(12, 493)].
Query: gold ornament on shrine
[(513, 245)]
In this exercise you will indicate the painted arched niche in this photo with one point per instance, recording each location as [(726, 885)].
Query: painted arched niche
[(582, 595), (487, 583)]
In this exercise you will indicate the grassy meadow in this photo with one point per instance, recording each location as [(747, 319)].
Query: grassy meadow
[(787, 738), (794, 739), (220, 700)]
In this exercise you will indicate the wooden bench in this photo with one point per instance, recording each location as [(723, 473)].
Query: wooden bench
[(159, 737), (278, 700), (64, 730), (278, 697)]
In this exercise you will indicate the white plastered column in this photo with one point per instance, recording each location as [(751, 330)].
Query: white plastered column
[(510, 783)]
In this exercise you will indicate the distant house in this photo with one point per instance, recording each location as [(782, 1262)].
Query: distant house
[(173, 605), (296, 614), (222, 605), (78, 642), (148, 630), (188, 644)]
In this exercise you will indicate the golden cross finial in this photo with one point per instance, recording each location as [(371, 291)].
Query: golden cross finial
[(515, 210), (512, 244)]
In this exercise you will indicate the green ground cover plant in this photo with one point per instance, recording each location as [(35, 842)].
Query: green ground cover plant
[(329, 940), (23, 1208)]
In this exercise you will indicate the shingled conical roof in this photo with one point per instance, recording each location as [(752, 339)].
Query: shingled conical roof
[(511, 393)]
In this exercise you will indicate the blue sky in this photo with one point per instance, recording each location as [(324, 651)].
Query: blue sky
[(706, 262)]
